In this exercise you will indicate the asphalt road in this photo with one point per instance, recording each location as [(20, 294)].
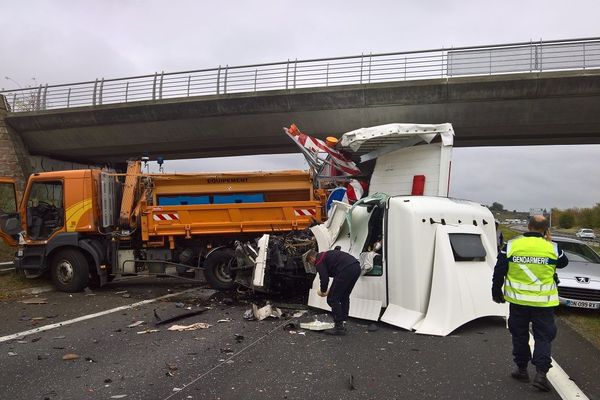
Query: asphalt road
[(269, 362)]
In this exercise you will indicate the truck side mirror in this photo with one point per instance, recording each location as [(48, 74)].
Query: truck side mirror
[(12, 226)]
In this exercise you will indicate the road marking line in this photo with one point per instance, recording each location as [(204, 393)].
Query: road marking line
[(564, 386), (89, 316)]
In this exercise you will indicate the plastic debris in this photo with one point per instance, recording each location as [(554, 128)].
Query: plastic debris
[(12, 354), (192, 327), (319, 322), (70, 357), (147, 331), (224, 320), (249, 315), (299, 314), (136, 323), (266, 312)]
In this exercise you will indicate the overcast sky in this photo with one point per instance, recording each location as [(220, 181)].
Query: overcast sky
[(68, 41)]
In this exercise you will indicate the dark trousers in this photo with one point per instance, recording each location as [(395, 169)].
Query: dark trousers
[(544, 331), (339, 293)]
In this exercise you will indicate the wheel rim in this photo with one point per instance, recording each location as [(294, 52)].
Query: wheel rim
[(222, 272), (64, 272)]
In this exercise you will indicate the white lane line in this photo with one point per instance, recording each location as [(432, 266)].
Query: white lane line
[(564, 386), (89, 316)]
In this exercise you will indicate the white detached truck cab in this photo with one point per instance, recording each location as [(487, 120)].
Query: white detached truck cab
[(435, 265)]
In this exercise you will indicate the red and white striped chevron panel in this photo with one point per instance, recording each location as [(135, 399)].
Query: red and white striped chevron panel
[(305, 212), (166, 217)]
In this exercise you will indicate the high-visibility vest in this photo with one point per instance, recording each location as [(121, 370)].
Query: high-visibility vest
[(531, 266)]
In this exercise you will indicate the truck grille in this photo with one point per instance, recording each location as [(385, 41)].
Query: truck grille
[(579, 294)]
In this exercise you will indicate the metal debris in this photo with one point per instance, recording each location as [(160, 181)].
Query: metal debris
[(147, 331), (35, 301), (178, 317)]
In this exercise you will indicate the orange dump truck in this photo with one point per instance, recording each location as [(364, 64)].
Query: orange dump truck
[(87, 226)]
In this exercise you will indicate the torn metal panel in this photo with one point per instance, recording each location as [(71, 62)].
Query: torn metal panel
[(401, 317), (258, 279), (366, 140)]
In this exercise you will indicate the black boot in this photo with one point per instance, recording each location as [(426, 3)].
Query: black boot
[(520, 374), (541, 382), (338, 330)]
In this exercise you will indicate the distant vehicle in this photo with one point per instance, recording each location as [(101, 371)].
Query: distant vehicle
[(580, 280), (586, 234)]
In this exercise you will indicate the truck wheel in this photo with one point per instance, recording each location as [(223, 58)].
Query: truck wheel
[(216, 269), (70, 271)]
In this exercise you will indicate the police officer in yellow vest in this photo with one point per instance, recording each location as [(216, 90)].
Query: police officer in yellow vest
[(526, 267)]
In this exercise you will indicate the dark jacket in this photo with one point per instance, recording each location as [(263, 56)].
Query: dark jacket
[(501, 268), (331, 263)]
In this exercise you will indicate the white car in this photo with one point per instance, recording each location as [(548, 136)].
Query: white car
[(586, 234), (580, 280)]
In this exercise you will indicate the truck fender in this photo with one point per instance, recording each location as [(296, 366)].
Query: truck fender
[(95, 250), (214, 250)]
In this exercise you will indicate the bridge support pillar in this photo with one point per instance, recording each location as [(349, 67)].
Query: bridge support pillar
[(14, 157)]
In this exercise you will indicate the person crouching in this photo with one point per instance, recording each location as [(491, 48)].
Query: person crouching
[(345, 271)]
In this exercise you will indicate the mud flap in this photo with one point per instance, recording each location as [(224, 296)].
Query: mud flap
[(460, 290)]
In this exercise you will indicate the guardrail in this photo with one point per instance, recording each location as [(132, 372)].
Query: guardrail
[(572, 54)]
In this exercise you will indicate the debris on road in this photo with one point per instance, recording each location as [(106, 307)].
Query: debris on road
[(126, 295), (192, 327), (12, 354), (177, 317), (319, 322), (121, 292), (35, 300), (118, 396), (58, 337), (351, 382), (70, 357), (261, 313), (238, 338), (136, 323), (179, 305), (224, 320), (147, 331)]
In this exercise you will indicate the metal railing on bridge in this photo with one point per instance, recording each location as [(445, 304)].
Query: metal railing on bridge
[(556, 55)]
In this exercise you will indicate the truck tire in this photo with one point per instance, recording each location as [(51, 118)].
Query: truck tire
[(216, 269), (70, 271)]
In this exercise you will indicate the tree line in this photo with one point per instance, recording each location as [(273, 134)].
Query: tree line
[(577, 217)]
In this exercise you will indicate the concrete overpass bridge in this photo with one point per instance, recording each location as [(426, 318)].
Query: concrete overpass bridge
[(513, 94)]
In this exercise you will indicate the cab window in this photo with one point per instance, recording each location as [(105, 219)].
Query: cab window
[(8, 203), (44, 209)]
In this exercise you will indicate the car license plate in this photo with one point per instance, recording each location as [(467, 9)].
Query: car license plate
[(582, 304)]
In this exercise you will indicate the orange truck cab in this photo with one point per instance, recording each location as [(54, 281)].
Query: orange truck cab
[(86, 226)]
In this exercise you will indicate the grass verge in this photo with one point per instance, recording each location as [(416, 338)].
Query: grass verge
[(11, 285), (583, 321)]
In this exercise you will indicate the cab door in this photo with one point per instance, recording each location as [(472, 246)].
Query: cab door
[(10, 221)]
